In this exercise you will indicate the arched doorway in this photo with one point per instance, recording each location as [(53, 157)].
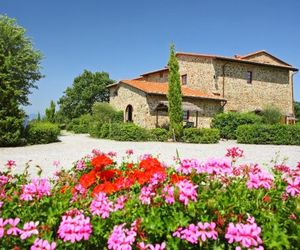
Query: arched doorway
[(128, 113)]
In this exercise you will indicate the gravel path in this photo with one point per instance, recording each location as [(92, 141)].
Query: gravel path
[(73, 147)]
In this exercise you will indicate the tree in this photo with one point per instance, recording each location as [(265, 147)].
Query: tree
[(50, 112), (38, 116), (19, 70), (174, 96), (87, 89), (297, 110)]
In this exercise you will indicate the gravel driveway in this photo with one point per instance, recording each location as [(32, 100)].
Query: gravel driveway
[(72, 147)]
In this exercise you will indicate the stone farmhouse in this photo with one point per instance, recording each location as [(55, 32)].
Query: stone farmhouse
[(210, 84)]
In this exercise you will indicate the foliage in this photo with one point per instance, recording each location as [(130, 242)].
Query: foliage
[(159, 134), (42, 132), (271, 115), (87, 89), (19, 70), (128, 132), (99, 204), (104, 112), (81, 124), (228, 123), (269, 134), (297, 110), (50, 112), (201, 135), (174, 96)]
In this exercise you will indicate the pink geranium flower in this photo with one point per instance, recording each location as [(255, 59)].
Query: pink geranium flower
[(293, 187), (75, 227), (14, 230), (40, 244), (29, 228), (101, 205), (10, 163), (187, 191), (3, 223)]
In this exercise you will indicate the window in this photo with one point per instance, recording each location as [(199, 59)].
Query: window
[(249, 76), (161, 74), (184, 79), (186, 115)]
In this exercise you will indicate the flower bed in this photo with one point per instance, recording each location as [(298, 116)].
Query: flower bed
[(216, 204)]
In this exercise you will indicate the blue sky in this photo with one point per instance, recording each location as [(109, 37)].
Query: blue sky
[(126, 38)]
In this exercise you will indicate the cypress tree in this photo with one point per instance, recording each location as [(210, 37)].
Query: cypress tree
[(174, 96)]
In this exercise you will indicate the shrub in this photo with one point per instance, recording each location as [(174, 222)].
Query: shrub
[(269, 134), (81, 124), (201, 135), (127, 132), (11, 129), (42, 132), (159, 134), (104, 112), (227, 123), (271, 115)]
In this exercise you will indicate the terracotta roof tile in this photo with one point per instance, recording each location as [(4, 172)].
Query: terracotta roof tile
[(162, 89)]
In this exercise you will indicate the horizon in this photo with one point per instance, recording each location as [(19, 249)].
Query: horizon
[(130, 38)]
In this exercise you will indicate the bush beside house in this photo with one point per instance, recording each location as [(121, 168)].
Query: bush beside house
[(228, 123), (269, 134), (201, 135), (42, 132)]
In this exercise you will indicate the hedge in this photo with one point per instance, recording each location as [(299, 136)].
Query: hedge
[(159, 134), (128, 132), (269, 134), (228, 123), (201, 135), (81, 124), (42, 132)]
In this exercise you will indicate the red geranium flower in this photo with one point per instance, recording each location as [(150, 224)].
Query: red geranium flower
[(106, 187), (176, 178), (101, 161), (86, 180), (108, 175)]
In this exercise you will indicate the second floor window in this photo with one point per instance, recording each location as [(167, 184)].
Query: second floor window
[(184, 79), (249, 76)]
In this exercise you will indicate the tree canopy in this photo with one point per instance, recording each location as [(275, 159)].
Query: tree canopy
[(87, 89), (19, 71), (175, 96)]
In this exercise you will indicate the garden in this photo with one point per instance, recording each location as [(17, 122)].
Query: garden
[(219, 203)]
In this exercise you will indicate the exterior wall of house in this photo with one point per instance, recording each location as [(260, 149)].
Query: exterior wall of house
[(127, 95), (264, 58), (144, 113), (157, 77), (209, 107), (200, 72), (270, 85)]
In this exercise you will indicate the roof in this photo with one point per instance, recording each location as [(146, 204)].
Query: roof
[(186, 106), (162, 89), (242, 59), (156, 71), (263, 52)]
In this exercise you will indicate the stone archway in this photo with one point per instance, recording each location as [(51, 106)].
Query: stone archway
[(128, 113)]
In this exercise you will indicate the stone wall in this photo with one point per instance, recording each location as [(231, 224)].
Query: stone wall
[(264, 58), (200, 72), (157, 77), (270, 86), (144, 113), (127, 95)]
